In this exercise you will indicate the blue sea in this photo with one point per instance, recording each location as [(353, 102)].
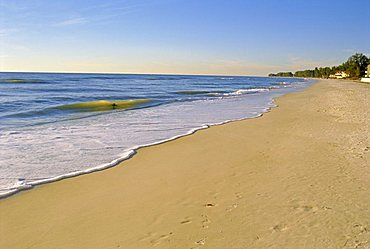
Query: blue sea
[(55, 125)]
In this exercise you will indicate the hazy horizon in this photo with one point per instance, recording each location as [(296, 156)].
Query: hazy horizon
[(251, 38)]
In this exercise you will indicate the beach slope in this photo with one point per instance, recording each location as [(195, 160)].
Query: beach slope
[(297, 177)]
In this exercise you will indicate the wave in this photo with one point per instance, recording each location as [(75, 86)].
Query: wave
[(20, 81), (282, 83), (241, 92), (252, 90), (166, 78), (194, 92), (102, 77), (104, 105), (223, 93), (88, 109)]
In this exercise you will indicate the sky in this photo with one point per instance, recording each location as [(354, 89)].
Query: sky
[(222, 37)]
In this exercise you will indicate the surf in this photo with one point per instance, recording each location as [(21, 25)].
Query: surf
[(20, 81), (105, 105)]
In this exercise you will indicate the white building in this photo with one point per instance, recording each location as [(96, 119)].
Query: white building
[(367, 75), (339, 75)]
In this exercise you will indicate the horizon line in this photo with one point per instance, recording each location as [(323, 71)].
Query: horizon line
[(130, 73)]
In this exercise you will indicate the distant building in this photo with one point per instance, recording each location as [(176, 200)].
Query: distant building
[(339, 75), (367, 75)]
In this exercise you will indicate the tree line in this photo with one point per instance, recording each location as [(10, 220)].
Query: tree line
[(355, 67)]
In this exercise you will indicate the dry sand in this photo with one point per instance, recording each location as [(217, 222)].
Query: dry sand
[(298, 177)]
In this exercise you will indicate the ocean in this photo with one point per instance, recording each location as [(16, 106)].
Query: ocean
[(56, 125)]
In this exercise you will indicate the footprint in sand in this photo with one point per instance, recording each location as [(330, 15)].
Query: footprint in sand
[(232, 207), (279, 228), (238, 195), (205, 221), (161, 238), (306, 208), (201, 242), (210, 205), (186, 220)]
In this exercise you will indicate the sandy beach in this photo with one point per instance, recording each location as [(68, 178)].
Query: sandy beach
[(297, 177)]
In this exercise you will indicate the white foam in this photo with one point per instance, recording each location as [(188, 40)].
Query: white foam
[(244, 91)]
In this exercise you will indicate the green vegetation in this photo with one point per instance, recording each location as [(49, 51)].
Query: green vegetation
[(355, 67), (281, 74)]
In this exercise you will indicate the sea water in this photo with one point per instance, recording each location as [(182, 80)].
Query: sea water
[(54, 126)]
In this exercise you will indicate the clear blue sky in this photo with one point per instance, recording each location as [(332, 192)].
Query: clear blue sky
[(243, 37)]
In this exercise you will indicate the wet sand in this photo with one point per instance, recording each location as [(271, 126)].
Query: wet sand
[(297, 177)]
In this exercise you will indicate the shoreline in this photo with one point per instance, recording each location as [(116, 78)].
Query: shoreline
[(131, 152), (294, 177), (127, 156)]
